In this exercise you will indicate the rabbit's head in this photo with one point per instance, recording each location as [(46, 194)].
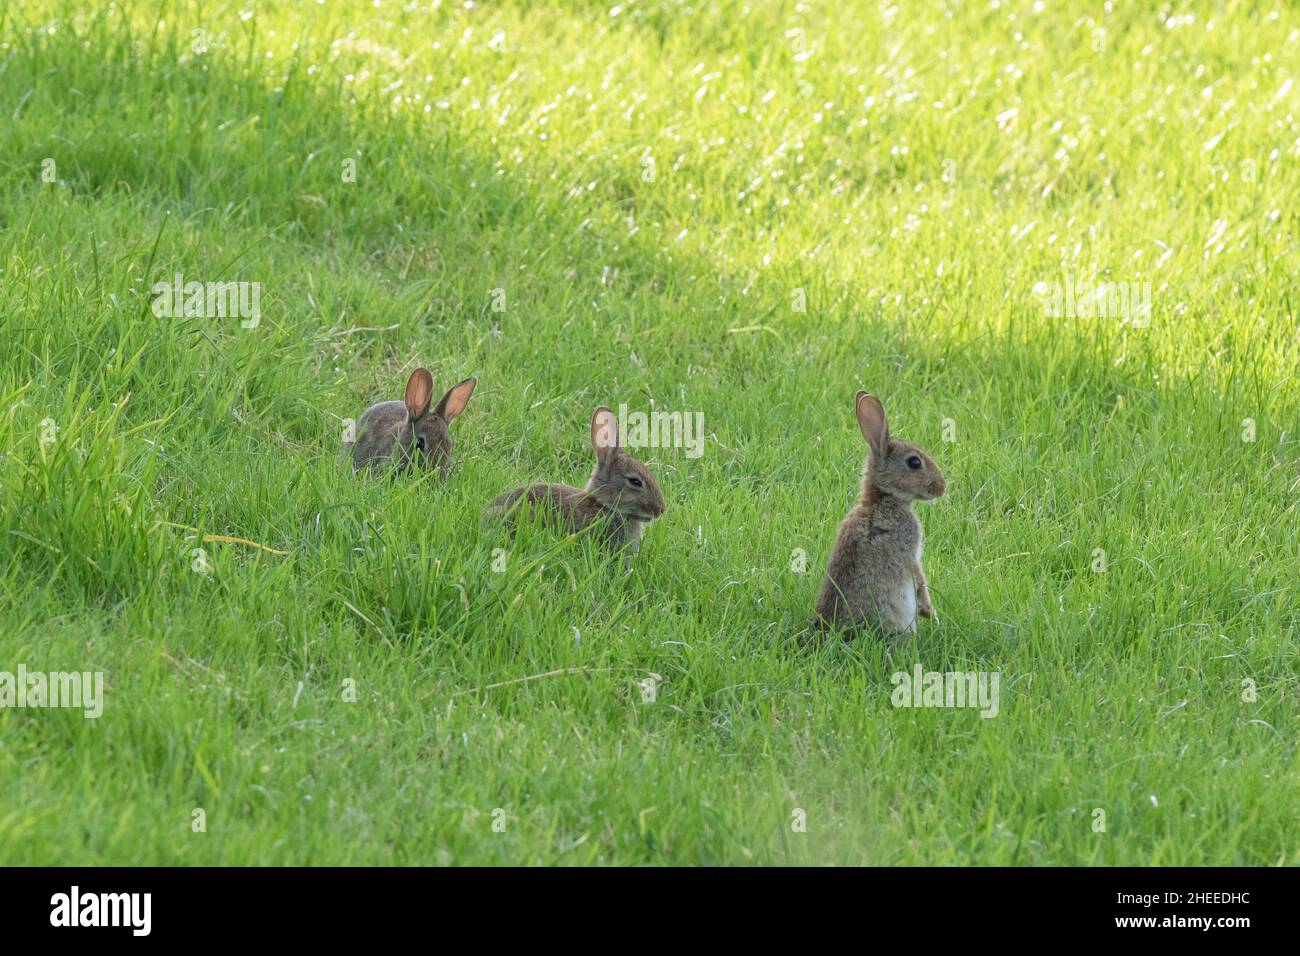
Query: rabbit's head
[(620, 482), (893, 466), (427, 441)]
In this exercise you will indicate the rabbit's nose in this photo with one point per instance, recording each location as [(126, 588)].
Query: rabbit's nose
[(938, 487)]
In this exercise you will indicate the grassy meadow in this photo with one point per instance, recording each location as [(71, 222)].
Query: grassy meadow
[(745, 211)]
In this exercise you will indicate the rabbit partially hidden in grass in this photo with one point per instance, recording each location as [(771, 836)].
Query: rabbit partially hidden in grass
[(408, 432), (874, 573), (620, 498)]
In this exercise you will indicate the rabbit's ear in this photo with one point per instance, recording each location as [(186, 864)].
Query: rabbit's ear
[(604, 433), (457, 397), (871, 419), (419, 390)]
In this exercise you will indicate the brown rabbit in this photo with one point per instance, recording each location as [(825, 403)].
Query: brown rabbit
[(874, 573), (406, 432), (621, 496)]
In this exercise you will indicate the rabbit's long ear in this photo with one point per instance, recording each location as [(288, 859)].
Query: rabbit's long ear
[(457, 397), (604, 433), (419, 390), (871, 419)]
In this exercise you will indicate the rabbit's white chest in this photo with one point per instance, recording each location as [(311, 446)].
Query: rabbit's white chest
[(907, 599), (899, 606), (905, 602), (632, 534)]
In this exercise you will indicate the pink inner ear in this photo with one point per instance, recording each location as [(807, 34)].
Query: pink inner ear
[(871, 420), (457, 397), (604, 434), (419, 390)]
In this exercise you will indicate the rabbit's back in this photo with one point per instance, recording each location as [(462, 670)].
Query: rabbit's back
[(555, 499), (572, 510), (378, 434)]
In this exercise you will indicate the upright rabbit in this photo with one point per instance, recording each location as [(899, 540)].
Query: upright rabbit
[(874, 573), (620, 498), (408, 432)]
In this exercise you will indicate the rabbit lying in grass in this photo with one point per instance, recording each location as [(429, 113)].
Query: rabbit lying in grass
[(408, 432), (874, 573), (620, 498)]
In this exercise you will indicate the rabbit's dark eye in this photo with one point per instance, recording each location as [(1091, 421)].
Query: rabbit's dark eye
[(914, 463), (419, 442), (634, 482)]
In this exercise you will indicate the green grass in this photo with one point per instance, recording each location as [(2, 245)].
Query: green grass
[(656, 192)]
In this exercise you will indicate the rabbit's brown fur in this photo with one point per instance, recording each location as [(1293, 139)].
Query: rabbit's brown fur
[(620, 498), (874, 573)]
